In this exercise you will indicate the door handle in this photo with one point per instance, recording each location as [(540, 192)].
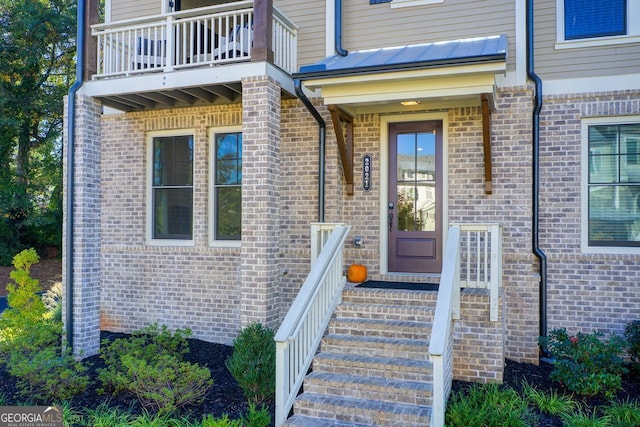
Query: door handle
[(390, 222)]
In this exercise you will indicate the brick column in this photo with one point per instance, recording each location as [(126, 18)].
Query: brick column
[(259, 269), (86, 226)]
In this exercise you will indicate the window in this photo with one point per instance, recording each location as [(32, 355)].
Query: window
[(613, 185), (226, 217), (594, 18), (171, 199), (583, 23)]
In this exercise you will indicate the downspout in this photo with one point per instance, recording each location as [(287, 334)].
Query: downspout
[(71, 119), (321, 142), (337, 28), (535, 165)]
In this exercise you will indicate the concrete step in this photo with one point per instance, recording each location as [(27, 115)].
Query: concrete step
[(303, 421), (370, 388), (386, 311), (363, 411), (381, 328), (383, 367), (376, 346)]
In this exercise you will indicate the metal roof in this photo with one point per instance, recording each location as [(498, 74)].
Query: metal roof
[(436, 54)]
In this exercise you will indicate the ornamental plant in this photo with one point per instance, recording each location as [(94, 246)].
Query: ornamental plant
[(632, 335), (586, 364)]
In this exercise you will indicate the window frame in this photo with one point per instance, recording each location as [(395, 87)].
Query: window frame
[(632, 35), (395, 4), (149, 189), (585, 168), (213, 242)]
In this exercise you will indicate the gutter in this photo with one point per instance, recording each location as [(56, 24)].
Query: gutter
[(535, 164), (71, 119), (337, 28), (322, 127)]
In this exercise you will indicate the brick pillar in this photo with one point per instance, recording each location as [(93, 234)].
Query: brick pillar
[(86, 226), (259, 270)]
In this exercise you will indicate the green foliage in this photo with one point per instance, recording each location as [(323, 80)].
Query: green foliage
[(52, 300), (70, 416), (584, 363), (105, 416), (149, 364), (581, 418), (550, 403), (31, 341), (623, 414), (253, 363), (632, 335), (488, 405), (253, 418)]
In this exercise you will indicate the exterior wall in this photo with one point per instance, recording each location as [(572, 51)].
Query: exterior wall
[(123, 9), (309, 17), (369, 26), (553, 63), (586, 292)]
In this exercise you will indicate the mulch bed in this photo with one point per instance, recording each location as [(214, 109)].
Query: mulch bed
[(48, 271)]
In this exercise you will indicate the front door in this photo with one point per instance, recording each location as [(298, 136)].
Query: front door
[(415, 197)]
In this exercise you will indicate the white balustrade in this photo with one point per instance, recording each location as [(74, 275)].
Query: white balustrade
[(303, 327), (210, 36)]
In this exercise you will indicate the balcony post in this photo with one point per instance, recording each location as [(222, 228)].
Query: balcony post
[(90, 65), (263, 31)]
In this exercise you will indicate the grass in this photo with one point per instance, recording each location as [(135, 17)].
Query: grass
[(493, 405)]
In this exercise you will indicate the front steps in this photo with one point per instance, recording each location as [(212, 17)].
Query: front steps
[(373, 368)]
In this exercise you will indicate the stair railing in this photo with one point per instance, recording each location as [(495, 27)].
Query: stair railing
[(303, 327), (441, 343)]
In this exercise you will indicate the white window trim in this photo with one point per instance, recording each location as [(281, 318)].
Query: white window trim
[(584, 167), (408, 3), (632, 36), (149, 184), (212, 173)]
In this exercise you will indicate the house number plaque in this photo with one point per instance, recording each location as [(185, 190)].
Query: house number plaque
[(366, 172)]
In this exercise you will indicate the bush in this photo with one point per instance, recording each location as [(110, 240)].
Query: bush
[(150, 365), (632, 335), (253, 363), (52, 300), (253, 418), (584, 363), (31, 340)]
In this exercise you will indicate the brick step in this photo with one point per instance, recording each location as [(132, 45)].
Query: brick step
[(370, 388), (376, 346), (389, 297), (369, 412), (383, 367), (303, 421), (381, 328), (386, 311)]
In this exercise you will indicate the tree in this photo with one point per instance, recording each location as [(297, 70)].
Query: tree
[(37, 47)]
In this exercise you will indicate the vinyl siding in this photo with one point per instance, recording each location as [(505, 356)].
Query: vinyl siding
[(309, 17), (127, 9), (371, 26), (552, 63)]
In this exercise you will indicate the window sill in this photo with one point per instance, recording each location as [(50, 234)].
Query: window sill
[(408, 3), (225, 244), (596, 42), (609, 250), (170, 242)]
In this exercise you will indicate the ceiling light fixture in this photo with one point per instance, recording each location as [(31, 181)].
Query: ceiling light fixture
[(410, 103)]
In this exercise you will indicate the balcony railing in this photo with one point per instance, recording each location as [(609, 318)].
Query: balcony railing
[(199, 37)]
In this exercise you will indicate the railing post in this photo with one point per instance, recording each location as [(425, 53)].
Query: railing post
[(170, 37), (496, 270)]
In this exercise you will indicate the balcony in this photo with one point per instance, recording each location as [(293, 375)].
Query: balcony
[(186, 58)]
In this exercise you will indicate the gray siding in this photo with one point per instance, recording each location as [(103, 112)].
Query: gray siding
[(552, 63), (370, 26)]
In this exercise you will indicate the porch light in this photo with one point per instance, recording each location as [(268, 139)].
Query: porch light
[(409, 103)]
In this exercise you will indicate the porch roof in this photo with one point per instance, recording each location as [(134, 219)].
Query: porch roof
[(426, 55)]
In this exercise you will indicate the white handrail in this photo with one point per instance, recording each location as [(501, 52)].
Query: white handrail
[(303, 327), (441, 343)]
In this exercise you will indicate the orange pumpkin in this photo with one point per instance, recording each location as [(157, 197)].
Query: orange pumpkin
[(357, 273)]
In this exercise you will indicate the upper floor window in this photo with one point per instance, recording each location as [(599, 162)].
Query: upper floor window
[(597, 22), (594, 18), (613, 186), (171, 189), (226, 153)]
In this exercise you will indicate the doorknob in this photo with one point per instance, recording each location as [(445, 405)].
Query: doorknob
[(391, 205)]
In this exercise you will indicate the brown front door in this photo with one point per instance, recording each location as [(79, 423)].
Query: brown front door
[(415, 197)]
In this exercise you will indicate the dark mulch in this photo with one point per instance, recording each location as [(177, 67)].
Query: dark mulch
[(538, 376), (224, 397), (48, 271)]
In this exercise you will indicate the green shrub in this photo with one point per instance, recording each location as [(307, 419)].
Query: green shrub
[(632, 335), (253, 363), (584, 363), (253, 418), (488, 405), (31, 341), (52, 300), (150, 365)]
